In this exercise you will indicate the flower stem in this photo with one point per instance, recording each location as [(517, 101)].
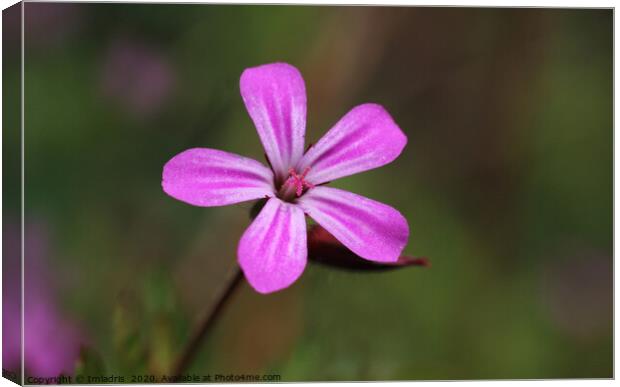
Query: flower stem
[(194, 344)]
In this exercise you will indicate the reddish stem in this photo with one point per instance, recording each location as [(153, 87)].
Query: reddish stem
[(211, 318)]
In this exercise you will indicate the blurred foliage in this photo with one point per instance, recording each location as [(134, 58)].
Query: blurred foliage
[(506, 182), (148, 328), (89, 363)]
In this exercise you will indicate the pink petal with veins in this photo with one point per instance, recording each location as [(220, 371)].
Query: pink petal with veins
[(275, 97), (370, 229), (365, 138), (209, 177), (273, 250)]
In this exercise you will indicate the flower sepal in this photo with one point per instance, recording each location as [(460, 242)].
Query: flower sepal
[(325, 249)]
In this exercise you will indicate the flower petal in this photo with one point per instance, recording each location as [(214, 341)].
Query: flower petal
[(370, 229), (365, 138), (209, 177), (275, 97), (273, 251)]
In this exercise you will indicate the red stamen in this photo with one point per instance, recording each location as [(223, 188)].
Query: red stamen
[(299, 181), (303, 175)]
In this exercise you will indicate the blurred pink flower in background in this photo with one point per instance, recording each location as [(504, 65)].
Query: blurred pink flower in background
[(52, 341), (51, 23), (46, 25), (140, 78)]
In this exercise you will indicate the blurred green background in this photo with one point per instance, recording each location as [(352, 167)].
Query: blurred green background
[(506, 183)]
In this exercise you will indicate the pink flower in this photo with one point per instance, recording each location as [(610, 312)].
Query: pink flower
[(52, 340), (273, 251), (137, 76)]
